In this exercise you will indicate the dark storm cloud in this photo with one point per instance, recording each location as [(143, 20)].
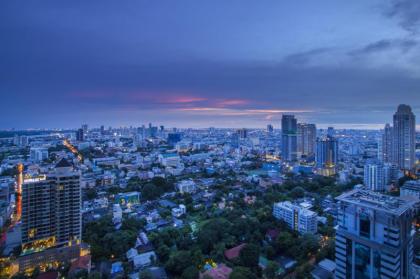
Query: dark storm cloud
[(63, 63), (407, 12), (403, 45)]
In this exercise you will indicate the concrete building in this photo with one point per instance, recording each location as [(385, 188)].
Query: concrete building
[(298, 218), (374, 236)]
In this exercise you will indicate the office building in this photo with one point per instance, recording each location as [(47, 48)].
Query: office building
[(51, 218), (326, 155), (80, 135), (85, 129), (404, 139), (270, 128), (386, 144), (297, 218), (306, 139), (289, 137), (374, 236), (243, 133), (374, 176)]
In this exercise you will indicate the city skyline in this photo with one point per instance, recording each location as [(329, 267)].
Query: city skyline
[(209, 64)]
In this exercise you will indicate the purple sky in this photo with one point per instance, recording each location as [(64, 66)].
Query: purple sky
[(190, 63)]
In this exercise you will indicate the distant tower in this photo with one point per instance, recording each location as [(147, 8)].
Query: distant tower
[(80, 135), (289, 137), (270, 128), (404, 139), (387, 144)]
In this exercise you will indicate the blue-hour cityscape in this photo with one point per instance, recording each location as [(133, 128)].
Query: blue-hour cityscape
[(210, 139)]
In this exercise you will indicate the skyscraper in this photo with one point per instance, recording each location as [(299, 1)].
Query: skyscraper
[(326, 155), (386, 154), (374, 176), (374, 237), (51, 217), (306, 139), (80, 135), (289, 137), (403, 140), (270, 128)]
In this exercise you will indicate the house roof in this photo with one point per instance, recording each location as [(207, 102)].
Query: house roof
[(48, 275), (63, 163), (234, 252), (82, 262), (220, 272)]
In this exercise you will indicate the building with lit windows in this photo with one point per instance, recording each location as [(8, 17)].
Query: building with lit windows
[(51, 218), (297, 218), (374, 236), (326, 155)]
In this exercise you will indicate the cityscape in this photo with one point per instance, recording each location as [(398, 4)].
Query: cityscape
[(211, 140)]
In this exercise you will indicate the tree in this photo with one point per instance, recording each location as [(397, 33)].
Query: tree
[(250, 255), (241, 272), (297, 192), (150, 192), (145, 274), (178, 262), (190, 272), (270, 271)]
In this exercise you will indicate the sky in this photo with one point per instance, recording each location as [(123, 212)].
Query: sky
[(220, 63)]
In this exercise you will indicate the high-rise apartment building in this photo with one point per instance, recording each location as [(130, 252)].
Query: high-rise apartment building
[(51, 217), (306, 139), (297, 218), (289, 137), (386, 145), (374, 176), (374, 236), (404, 139), (326, 155)]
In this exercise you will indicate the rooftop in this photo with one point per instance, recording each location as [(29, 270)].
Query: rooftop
[(377, 201)]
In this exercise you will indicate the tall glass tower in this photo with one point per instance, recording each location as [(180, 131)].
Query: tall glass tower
[(404, 138), (289, 137)]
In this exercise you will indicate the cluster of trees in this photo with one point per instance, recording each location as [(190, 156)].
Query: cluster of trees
[(106, 242), (183, 253)]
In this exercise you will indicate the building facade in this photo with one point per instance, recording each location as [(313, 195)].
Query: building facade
[(374, 236), (386, 144)]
